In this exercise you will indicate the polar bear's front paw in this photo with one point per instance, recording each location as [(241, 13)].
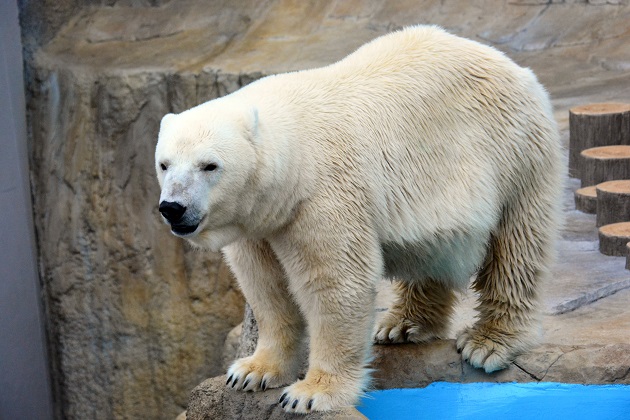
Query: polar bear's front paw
[(489, 350), (319, 391), (397, 329), (257, 374)]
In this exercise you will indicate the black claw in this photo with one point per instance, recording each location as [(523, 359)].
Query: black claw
[(229, 380), (294, 404), (263, 385), (282, 397), (309, 405), (284, 404), (235, 381), (245, 384)]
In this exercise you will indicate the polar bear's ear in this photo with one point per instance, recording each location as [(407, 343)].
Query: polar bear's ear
[(165, 120)]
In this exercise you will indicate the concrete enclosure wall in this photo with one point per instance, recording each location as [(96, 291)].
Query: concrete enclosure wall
[(24, 377)]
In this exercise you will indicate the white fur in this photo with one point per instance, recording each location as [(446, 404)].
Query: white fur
[(422, 156)]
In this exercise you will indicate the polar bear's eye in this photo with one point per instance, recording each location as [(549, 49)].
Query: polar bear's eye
[(210, 167), (163, 166)]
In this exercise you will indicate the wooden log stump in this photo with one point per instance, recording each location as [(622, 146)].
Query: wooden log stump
[(613, 239), (601, 164), (586, 199), (613, 202), (596, 125)]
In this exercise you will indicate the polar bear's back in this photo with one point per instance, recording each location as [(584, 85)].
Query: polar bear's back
[(438, 133), (455, 93), (428, 51), (454, 126)]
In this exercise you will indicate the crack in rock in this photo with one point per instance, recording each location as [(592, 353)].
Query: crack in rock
[(527, 372)]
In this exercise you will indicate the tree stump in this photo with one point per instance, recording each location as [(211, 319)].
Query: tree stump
[(613, 202), (614, 238), (586, 199), (596, 125), (601, 164)]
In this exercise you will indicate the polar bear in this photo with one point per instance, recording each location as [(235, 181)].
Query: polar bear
[(422, 157)]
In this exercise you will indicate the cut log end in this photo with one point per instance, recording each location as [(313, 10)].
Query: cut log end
[(614, 238), (599, 109), (586, 200), (607, 152), (613, 202), (601, 164), (620, 186)]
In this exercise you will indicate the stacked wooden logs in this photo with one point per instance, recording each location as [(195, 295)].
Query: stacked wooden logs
[(599, 155)]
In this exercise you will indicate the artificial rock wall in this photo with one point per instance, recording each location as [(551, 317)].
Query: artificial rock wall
[(136, 318)]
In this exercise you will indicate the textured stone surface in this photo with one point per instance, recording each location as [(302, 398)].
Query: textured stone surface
[(578, 49), (40, 20), (212, 400), (231, 346), (249, 334), (136, 319)]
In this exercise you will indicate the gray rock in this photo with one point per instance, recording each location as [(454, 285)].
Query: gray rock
[(608, 364), (212, 400), (231, 346), (249, 334), (415, 366)]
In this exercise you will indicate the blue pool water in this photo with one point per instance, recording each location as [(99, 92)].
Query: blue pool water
[(500, 401)]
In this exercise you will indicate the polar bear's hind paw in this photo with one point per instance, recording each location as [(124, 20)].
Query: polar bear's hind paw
[(490, 350)]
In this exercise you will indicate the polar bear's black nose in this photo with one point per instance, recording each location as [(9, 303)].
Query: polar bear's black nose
[(172, 211)]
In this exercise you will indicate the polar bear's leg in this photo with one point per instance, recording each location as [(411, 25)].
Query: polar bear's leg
[(509, 283), (280, 325), (333, 265), (421, 313)]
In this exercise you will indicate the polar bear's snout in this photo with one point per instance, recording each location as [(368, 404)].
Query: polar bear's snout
[(174, 213)]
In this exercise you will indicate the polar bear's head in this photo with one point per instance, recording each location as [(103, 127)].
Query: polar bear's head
[(204, 159)]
